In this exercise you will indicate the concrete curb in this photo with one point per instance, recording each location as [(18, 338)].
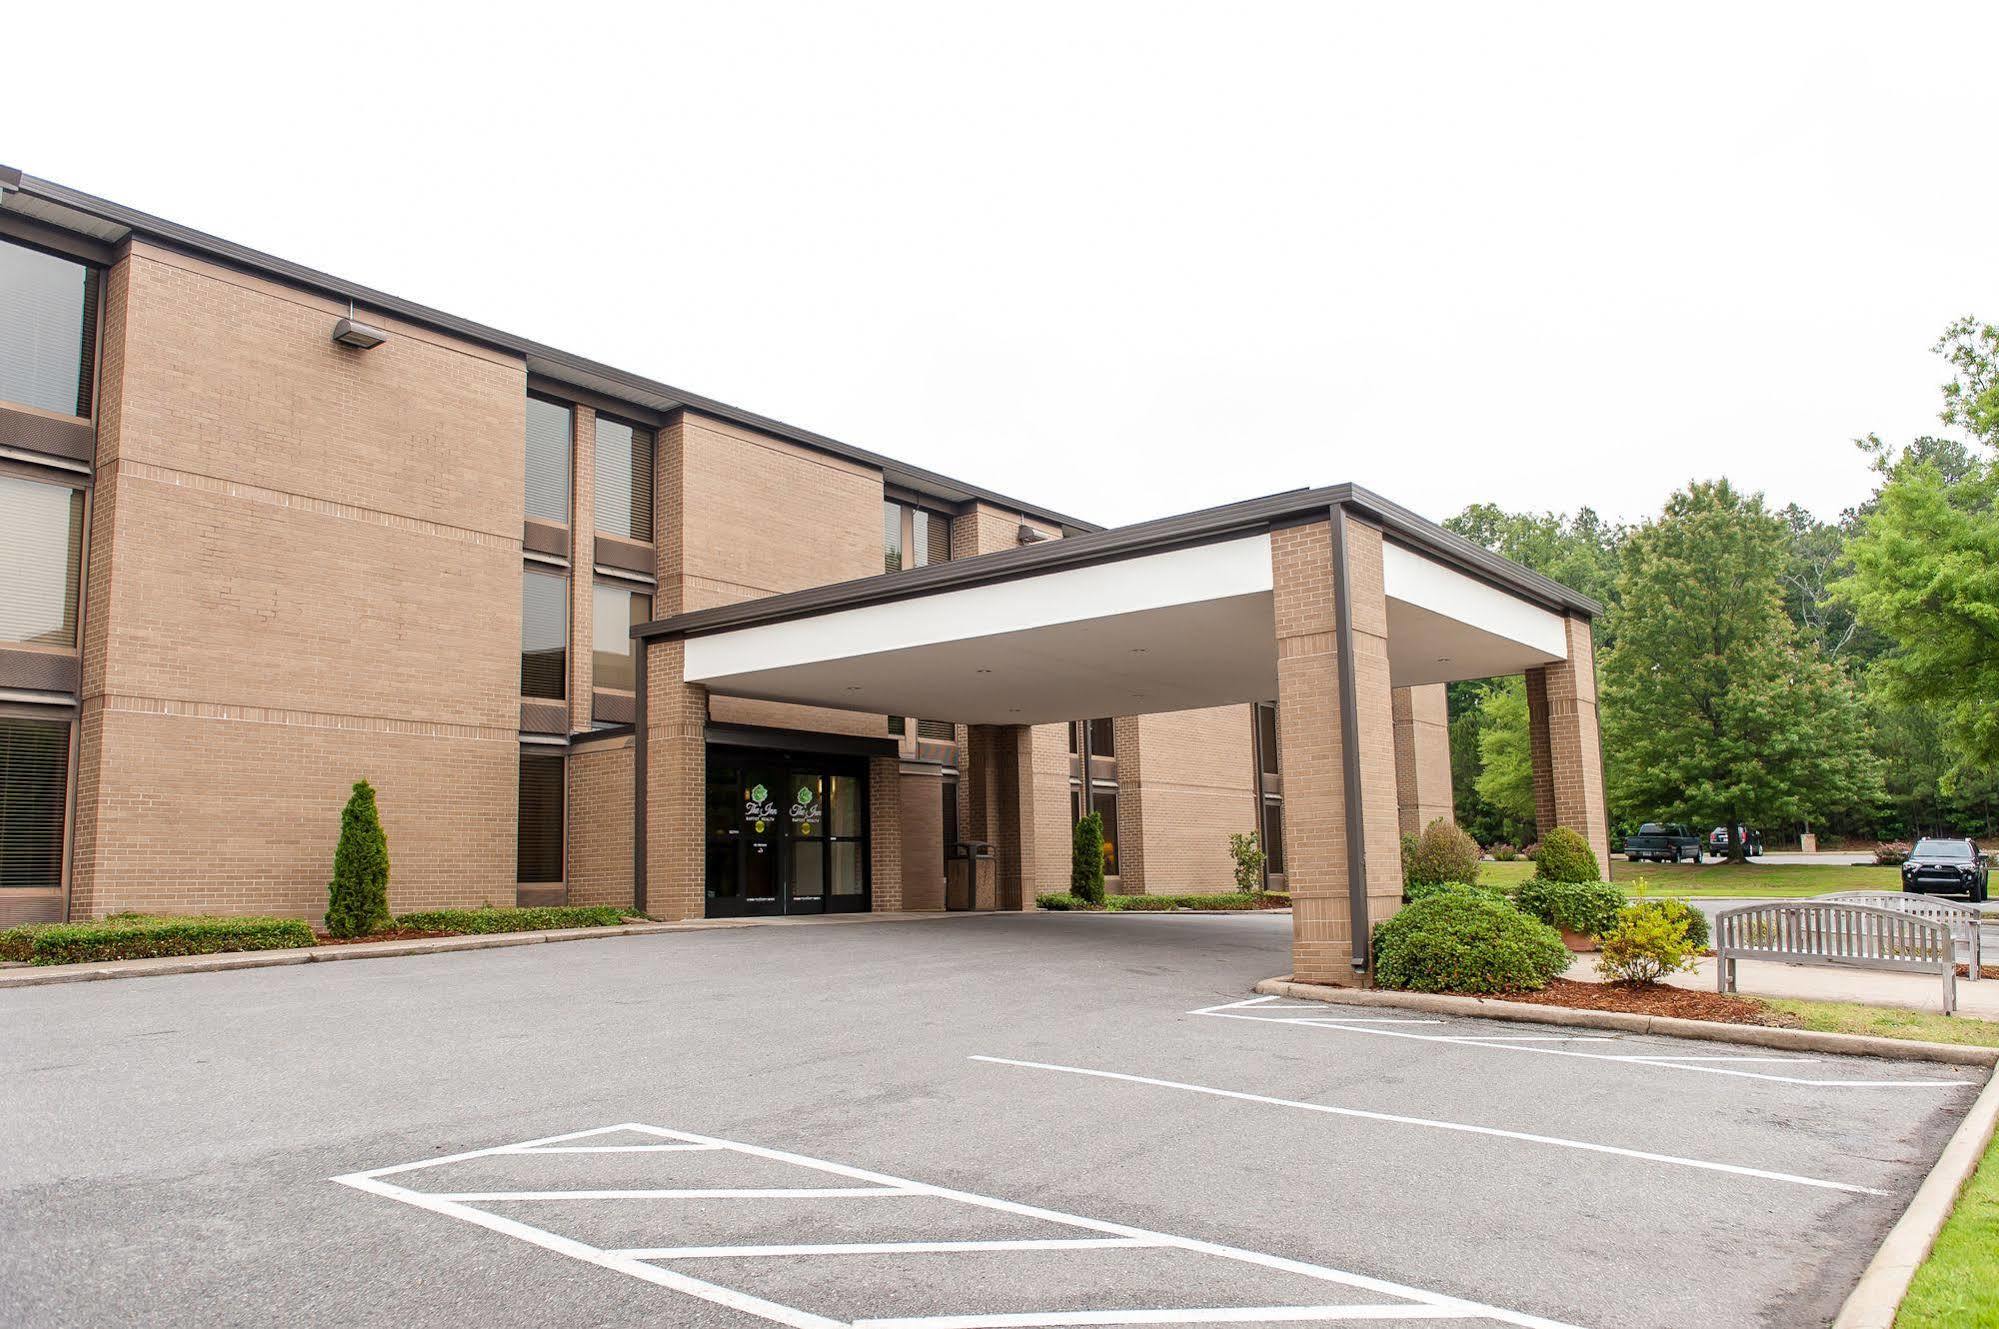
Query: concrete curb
[(1878, 1297), (45, 975), (1487, 1008)]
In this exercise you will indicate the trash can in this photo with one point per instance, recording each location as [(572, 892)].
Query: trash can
[(969, 882)]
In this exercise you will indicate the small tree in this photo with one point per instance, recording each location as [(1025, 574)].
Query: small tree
[(1086, 860), (357, 901), (1247, 851), (1442, 853)]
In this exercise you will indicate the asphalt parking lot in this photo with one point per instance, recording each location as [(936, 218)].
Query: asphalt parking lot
[(971, 1123)]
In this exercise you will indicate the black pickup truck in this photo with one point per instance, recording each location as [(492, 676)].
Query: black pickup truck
[(1663, 842)]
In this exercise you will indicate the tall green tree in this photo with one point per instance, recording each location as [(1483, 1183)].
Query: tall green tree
[(1925, 561), (1713, 710), (1506, 755), (357, 900)]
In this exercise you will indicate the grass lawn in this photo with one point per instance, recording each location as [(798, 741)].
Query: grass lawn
[(1839, 1017), (1958, 1286), (1723, 881)]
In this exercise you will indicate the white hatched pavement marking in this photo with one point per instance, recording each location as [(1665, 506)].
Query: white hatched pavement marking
[(1420, 1304), (1435, 1124), (1660, 1061)]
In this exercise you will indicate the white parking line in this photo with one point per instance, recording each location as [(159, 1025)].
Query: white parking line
[(1659, 1060), (1411, 1303), (714, 1193), (1434, 1124)]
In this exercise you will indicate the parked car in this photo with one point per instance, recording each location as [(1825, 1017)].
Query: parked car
[(1947, 867), (1663, 842), (1717, 841)]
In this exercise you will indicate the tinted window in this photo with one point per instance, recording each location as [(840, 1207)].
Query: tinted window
[(548, 460), (538, 845), (1102, 743), (1273, 836), (624, 479), (891, 537), (46, 337), (615, 611), (1103, 801), (1651, 828), (1266, 736), (544, 634), (41, 553), (1941, 849), (34, 794), (930, 538)]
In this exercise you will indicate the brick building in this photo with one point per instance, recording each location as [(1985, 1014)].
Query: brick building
[(266, 532)]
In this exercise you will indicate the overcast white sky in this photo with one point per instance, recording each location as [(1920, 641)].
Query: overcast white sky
[(1123, 259)]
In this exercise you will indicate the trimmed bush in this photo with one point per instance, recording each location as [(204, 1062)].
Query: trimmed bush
[(139, 936), (1426, 890), (1156, 904), (1566, 856), (1891, 855), (1579, 906), (1086, 860), (357, 901), (1648, 941), (1443, 852), (1059, 900), (1460, 941), (1696, 921), (511, 920)]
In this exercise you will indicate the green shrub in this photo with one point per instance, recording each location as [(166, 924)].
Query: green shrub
[(1426, 890), (1086, 860), (1696, 921), (511, 920), (1139, 903), (18, 942), (1059, 900), (357, 901), (1443, 852), (1460, 941), (1247, 851), (1504, 852), (1648, 941), (1579, 906), (137, 937), (1566, 856)]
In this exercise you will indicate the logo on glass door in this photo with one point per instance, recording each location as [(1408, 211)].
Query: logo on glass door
[(759, 810), (802, 811)]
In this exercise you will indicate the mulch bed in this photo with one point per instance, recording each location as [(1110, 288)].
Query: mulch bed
[(1653, 999), (398, 934), (1985, 971)]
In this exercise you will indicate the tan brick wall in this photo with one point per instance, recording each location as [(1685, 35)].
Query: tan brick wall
[(885, 833), (1310, 743), (1194, 783), (1422, 757), (676, 846), (305, 569), (600, 821), (921, 802)]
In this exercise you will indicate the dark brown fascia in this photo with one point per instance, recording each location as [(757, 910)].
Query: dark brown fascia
[(1208, 526), (639, 394)]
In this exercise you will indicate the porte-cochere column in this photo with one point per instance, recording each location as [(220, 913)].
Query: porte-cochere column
[(1337, 752), (1566, 745), (673, 833)]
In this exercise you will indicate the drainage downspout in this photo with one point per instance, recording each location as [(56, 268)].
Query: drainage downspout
[(1349, 745), (639, 780)]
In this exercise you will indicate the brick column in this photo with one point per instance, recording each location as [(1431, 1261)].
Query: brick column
[(1422, 757), (885, 833), (1312, 746), (676, 776), (1130, 805), (1567, 748), (1014, 838), (582, 562)]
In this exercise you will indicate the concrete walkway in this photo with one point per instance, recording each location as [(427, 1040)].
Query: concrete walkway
[(1764, 978)]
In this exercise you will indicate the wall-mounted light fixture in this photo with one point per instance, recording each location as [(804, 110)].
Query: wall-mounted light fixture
[(360, 336)]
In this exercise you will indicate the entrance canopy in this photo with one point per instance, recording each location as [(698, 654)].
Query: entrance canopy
[(1161, 616)]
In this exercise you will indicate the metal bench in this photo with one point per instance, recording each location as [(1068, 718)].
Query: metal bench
[(1964, 919), (1842, 936)]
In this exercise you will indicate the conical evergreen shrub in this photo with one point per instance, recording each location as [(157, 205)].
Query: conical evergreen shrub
[(357, 902), (1086, 860)]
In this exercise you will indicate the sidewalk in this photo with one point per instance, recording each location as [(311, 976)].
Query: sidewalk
[(25, 975), (1764, 978)]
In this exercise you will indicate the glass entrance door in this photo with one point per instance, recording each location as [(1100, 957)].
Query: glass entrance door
[(785, 837)]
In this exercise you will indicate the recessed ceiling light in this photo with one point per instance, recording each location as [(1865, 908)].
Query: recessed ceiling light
[(1443, 659), (985, 671), (1138, 650)]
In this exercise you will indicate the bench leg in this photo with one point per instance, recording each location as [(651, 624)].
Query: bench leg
[(1950, 991)]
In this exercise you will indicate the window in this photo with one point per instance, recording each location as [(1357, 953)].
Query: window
[(544, 634), (1093, 780), (1266, 737), (913, 537), (41, 549), (615, 611), (1103, 802), (940, 730), (549, 429), (624, 479), (1273, 836), (897, 725), (1269, 787), (950, 812), (34, 798), (1101, 743), (538, 840), (48, 334)]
